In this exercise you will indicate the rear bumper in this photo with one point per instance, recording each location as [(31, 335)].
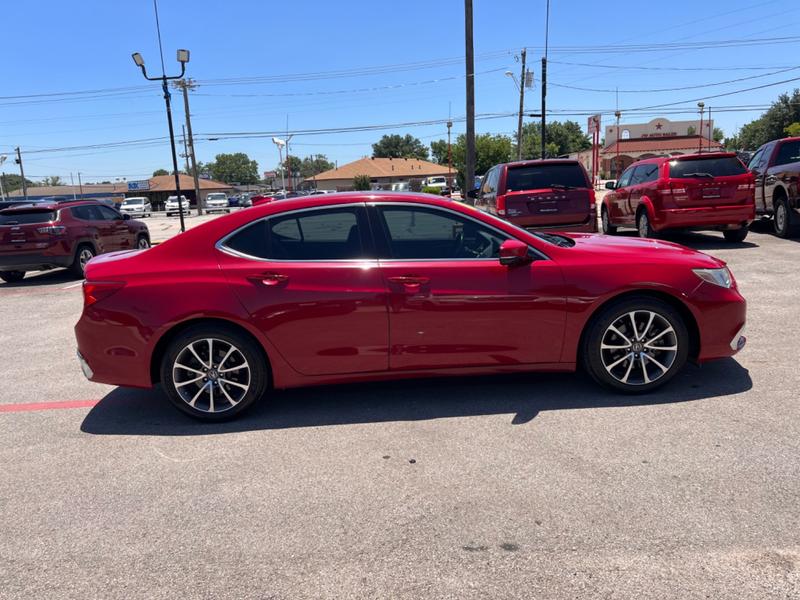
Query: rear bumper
[(731, 216), (33, 261), (588, 225)]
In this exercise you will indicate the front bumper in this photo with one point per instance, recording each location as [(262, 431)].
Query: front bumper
[(721, 315)]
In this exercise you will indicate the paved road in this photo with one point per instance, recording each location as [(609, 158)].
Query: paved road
[(535, 486)]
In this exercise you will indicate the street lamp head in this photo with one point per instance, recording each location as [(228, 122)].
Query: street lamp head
[(509, 74), (278, 142), (700, 105), (183, 56), (137, 58)]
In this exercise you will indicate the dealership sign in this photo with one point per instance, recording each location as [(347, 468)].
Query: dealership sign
[(139, 186)]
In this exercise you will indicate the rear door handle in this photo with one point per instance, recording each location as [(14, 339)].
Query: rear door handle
[(410, 280), (269, 279)]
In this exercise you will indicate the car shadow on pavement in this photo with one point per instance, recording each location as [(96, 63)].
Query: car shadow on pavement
[(698, 240), (127, 411), (54, 277)]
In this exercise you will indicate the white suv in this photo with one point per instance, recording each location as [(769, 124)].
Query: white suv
[(172, 205), (136, 207), (217, 201)]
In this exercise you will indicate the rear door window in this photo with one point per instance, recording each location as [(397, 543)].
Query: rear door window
[(108, 214), (27, 218), (705, 167), (328, 234), (536, 177)]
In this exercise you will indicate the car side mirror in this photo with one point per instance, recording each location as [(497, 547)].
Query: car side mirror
[(611, 185), (513, 253), (473, 193), (126, 217)]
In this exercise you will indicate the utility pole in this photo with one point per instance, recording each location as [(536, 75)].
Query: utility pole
[(470, 65), (617, 114), (544, 78), (185, 154), (80, 185), (2, 176), (18, 160), (72, 182), (701, 105), (522, 81), (449, 158), (186, 85)]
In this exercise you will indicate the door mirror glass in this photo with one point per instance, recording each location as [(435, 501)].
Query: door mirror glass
[(514, 252), (610, 185)]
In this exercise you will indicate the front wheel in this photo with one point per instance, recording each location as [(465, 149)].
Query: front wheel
[(635, 345), (736, 235), (12, 276), (213, 373), (605, 221)]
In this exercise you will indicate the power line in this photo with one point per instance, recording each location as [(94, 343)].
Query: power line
[(641, 68)]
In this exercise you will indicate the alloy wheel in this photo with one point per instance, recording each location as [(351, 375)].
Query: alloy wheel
[(780, 217), (644, 225), (142, 243), (211, 375), (639, 347), (84, 256)]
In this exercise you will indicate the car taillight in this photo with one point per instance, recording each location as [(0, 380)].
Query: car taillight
[(747, 186), (501, 205), (664, 188), (592, 196), (94, 291), (52, 229)]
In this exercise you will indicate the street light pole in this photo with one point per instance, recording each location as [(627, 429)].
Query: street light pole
[(617, 170), (183, 58), (522, 78), (18, 160), (469, 166), (701, 106), (2, 175), (280, 144)]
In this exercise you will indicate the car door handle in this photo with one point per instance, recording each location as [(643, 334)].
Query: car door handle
[(269, 279), (411, 283)]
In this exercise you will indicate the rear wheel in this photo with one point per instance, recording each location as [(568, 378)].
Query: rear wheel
[(643, 225), (635, 345), (213, 373), (605, 221), (784, 227), (12, 276), (83, 255), (736, 235)]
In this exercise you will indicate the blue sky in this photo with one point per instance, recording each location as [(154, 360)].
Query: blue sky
[(375, 63)]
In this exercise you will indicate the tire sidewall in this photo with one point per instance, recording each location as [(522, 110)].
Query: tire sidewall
[(605, 221), (783, 207), (77, 269), (648, 230), (591, 354), (259, 375)]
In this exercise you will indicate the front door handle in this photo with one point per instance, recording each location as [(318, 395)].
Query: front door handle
[(269, 279), (410, 283)]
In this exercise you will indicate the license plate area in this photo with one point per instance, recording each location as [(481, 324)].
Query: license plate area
[(711, 193)]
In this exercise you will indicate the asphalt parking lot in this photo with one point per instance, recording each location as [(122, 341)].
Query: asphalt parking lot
[(537, 486)]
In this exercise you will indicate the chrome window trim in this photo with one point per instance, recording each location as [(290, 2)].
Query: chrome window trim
[(220, 245), (502, 233)]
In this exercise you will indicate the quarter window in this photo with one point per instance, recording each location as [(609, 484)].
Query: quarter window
[(789, 152), (421, 233)]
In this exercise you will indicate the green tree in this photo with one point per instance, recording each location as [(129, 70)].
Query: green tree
[(439, 151), (314, 165), (234, 168), (362, 183), (489, 150), (13, 182), (562, 138), (691, 130), (719, 135), (397, 146), (792, 130), (160, 172), (53, 180), (772, 124)]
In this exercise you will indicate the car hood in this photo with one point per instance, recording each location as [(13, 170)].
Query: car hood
[(635, 249)]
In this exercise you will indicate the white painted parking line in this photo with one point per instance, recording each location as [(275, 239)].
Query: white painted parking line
[(72, 285)]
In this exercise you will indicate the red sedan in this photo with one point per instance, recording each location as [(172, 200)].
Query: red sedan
[(364, 286)]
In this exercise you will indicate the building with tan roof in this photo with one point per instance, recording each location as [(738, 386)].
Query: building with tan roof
[(382, 173)]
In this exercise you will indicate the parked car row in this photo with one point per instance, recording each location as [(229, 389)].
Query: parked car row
[(707, 191), (46, 235)]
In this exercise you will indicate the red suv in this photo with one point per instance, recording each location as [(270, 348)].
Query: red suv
[(46, 235), (695, 191), (538, 194)]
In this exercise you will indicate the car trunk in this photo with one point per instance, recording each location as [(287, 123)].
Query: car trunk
[(710, 181), (547, 194), (27, 229)]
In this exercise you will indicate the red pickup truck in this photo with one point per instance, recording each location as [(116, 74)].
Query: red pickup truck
[(694, 191), (776, 166)]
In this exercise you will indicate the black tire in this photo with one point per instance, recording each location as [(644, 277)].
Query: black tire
[(142, 242), (601, 366), (207, 407), (783, 220), (736, 235), (83, 254), (605, 222), (643, 225), (12, 276)]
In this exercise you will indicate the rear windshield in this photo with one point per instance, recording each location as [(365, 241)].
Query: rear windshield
[(535, 177), (22, 218), (216, 196), (134, 201), (703, 167)]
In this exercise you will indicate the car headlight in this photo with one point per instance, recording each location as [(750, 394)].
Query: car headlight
[(721, 277)]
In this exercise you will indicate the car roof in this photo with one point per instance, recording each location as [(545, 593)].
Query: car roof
[(49, 205), (539, 161), (660, 160)]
